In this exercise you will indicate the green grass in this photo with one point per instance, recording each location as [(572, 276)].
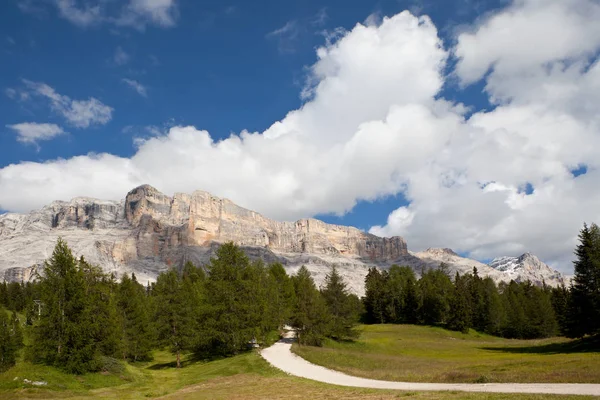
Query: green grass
[(428, 354), (245, 376)]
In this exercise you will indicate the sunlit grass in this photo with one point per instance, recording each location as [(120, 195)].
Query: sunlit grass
[(245, 376), (429, 354)]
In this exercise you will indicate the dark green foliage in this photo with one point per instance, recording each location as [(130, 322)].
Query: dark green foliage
[(402, 291), (584, 303), (560, 304), (16, 330), (238, 307), (435, 288), (460, 307), (376, 296), (344, 308), (175, 312), (282, 296), (516, 310), (136, 331), (529, 312), (9, 342), (78, 320), (310, 317)]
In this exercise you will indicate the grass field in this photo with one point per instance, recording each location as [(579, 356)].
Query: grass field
[(246, 376), (427, 354)]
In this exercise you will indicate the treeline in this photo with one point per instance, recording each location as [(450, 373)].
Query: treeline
[(512, 310), (79, 318)]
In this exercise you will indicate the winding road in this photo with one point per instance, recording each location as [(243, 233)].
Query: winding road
[(280, 356)]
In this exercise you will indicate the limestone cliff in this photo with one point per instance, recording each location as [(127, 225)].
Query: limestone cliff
[(149, 232)]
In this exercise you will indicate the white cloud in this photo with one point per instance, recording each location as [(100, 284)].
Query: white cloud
[(135, 85), (158, 12), (79, 113), (132, 13), (121, 57), (81, 16), (527, 35), (10, 93), (31, 132), (286, 36), (374, 124)]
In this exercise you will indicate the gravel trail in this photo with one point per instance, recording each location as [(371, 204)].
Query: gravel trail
[(280, 356)]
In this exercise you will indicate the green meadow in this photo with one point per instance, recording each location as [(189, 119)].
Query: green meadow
[(430, 354)]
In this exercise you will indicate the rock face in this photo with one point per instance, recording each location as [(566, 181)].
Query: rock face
[(529, 267), (149, 232)]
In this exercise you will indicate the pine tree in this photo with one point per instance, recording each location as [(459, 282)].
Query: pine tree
[(493, 314), (310, 317), (16, 331), (343, 310), (282, 294), (236, 292), (8, 347), (63, 336), (560, 303), (403, 301), (175, 320), (460, 311), (584, 303), (435, 289), (136, 333), (376, 297)]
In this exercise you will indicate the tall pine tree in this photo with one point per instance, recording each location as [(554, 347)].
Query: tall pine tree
[(343, 309), (584, 304)]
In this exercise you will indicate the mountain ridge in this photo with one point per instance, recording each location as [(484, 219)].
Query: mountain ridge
[(149, 232)]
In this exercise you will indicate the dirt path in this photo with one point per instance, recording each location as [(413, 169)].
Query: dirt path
[(280, 356)]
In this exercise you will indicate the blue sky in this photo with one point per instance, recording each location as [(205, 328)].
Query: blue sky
[(89, 88), (223, 67)]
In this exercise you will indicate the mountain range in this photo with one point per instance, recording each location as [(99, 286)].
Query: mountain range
[(149, 232)]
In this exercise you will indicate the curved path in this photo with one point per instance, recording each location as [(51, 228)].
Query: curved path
[(280, 356)]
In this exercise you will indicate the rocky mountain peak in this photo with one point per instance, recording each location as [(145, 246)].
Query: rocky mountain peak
[(441, 251)]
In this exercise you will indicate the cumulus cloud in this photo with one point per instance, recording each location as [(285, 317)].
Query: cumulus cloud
[(374, 123), (31, 132), (79, 113), (135, 85)]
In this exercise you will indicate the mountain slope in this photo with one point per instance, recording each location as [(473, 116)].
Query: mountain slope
[(149, 232), (528, 267)]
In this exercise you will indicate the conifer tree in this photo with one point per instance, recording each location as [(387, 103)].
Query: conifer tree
[(282, 295), (435, 288), (8, 347), (237, 301), (584, 304), (136, 333), (310, 317), (343, 309), (63, 336), (175, 322), (376, 297), (16, 331), (460, 312), (400, 287)]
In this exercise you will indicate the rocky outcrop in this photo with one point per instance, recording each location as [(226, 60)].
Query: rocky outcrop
[(528, 267), (149, 232)]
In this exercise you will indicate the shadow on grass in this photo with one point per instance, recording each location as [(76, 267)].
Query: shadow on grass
[(585, 345)]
